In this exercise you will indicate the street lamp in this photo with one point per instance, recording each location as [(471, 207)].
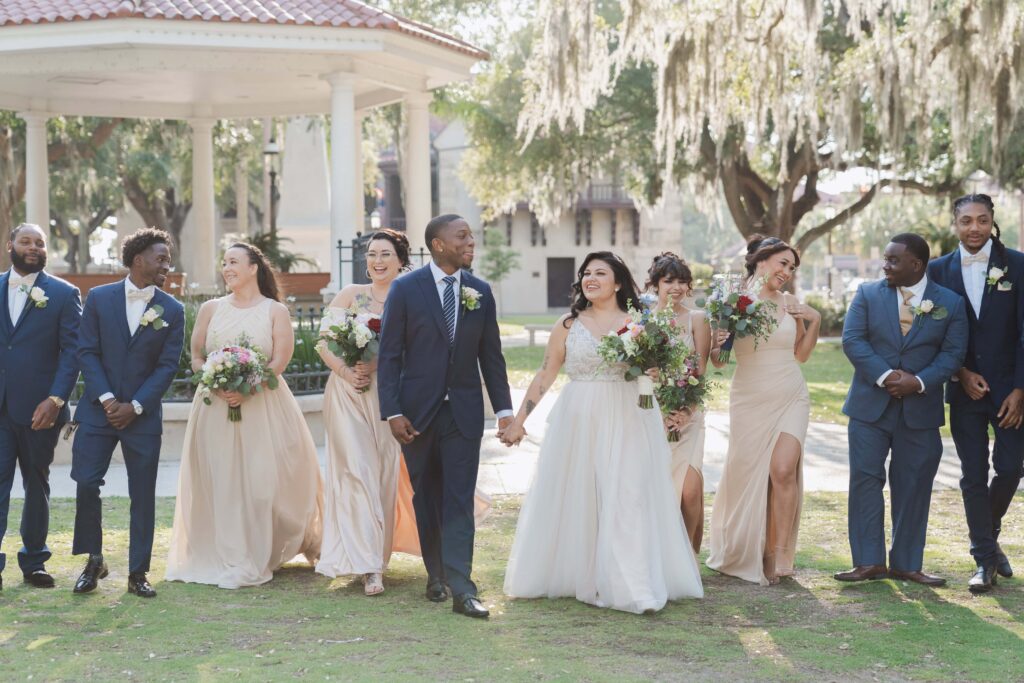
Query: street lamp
[(270, 152)]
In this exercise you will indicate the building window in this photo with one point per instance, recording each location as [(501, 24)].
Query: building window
[(636, 227), (508, 229)]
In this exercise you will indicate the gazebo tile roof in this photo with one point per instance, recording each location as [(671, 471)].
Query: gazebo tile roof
[(338, 13)]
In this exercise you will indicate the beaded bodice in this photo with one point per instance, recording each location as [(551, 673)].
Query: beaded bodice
[(583, 363)]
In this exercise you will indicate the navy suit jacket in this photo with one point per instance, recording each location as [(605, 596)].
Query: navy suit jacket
[(137, 367), (933, 350), (416, 366), (995, 348), (38, 353)]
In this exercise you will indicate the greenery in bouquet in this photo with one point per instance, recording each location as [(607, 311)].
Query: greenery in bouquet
[(734, 307), (648, 340), (683, 387), (353, 336), (241, 368)]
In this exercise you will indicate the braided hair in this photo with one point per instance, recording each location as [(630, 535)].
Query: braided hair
[(986, 201)]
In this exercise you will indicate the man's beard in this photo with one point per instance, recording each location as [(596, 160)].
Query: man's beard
[(23, 266)]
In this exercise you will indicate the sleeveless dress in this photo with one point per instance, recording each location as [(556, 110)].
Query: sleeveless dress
[(768, 398), (601, 521), (249, 492), (689, 450)]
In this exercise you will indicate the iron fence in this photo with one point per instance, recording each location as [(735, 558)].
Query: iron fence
[(356, 255)]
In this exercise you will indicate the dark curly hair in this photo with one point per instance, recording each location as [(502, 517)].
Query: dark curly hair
[(761, 248), (397, 239), (668, 265), (265, 277), (141, 240), (627, 296)]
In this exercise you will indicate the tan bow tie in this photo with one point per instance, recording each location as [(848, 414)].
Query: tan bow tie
[(140, 294), (968, 259), (19, 280)]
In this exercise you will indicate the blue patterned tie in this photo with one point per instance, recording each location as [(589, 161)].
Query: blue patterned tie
[(449, 307)]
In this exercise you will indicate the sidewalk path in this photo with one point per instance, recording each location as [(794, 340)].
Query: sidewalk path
[(509, 471)]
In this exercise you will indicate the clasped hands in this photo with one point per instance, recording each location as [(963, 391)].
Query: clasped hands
[(900, 384), (119, 414), (1011, 412), (510, 432), (358, 375)]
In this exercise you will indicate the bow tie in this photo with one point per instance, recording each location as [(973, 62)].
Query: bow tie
[(967, 259), (19, 280), (140, 294)]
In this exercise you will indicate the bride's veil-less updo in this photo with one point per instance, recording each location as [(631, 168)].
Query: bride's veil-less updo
[(628, 294)]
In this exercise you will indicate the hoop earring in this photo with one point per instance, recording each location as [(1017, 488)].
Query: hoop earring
[(368, 274)]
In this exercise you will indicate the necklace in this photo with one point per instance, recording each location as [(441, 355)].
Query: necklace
[(376, 300)]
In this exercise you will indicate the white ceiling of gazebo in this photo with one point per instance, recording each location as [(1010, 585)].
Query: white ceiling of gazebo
[(163, 63)]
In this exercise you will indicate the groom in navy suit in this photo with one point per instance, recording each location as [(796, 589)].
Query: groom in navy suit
[(39, 316), (905, 336), (439, 332), (989, 389), (131, 339)]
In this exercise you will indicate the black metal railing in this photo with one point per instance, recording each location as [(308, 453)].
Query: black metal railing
[(356, 255)]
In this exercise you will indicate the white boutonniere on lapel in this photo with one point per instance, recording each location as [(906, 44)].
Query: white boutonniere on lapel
[(36, 295), (927, 307), (470, 298), (152, 318), (997, 278)]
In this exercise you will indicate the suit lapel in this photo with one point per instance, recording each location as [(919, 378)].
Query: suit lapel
[(919, 320), (121, 314), (429, 290), (986, 295), (955, 281), (890, 297), (40, 282), (5, 311)]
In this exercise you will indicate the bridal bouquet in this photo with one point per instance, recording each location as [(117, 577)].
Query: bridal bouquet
[(735, 308), (240, 368), (353, 337), (648, 340), (682, 387)]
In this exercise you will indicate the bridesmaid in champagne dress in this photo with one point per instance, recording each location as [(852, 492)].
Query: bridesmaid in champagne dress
[(670, 278), (756, 513), (601, 522), (249, 493)]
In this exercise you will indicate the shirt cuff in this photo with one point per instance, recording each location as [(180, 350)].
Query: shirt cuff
[(392, 417), (106, 397), (922, 383), (881, 379), (504, 413), (138, 407)]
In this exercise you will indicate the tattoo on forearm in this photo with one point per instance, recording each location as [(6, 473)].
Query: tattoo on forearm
[(544, 364), (543, 389), (530, 405)]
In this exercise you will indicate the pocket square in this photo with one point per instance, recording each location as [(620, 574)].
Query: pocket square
[(1005, 286)]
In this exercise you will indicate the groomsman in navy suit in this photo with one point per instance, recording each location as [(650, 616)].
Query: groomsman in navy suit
[(905, 336), (131, 339), (39, 317), (989, 388)]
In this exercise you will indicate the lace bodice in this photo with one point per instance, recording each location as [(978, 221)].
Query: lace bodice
[(229, 323), (583, 363)]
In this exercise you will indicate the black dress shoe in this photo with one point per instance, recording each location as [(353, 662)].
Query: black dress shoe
[(469, 606), (1003, 564), (39, 579), (983, 580), (95, 569), (438, 591), (139, 585)]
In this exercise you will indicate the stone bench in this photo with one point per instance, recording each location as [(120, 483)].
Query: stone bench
[(532, 330)]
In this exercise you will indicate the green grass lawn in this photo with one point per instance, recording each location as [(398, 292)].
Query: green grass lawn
[(515, 324), (305, 626)]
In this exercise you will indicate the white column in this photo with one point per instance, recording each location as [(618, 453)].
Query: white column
[(417, 169), (37, 172), (359, 205), (203, 244), (343, 176)]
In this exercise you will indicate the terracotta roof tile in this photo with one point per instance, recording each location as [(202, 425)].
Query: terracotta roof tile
[(339, 13)]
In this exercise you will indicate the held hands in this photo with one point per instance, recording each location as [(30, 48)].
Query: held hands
[(119, 415), (402, 429), (510, 432), (45, 415), (900, 384), (1011, 413), (973, 383)]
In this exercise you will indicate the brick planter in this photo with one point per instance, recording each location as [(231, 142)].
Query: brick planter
[(86, 281)]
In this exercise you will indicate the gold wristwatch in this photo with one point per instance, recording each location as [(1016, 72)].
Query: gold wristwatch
[(57, 401)]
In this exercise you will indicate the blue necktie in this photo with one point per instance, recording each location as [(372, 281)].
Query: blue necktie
[(449, 307)]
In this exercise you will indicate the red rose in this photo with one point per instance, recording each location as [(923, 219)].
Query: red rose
[(623, 330), (743, 302), (374, 325)]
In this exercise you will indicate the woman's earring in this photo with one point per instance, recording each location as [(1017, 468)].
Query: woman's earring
[(368, 274)]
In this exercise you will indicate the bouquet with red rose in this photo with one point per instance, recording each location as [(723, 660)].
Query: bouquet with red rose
[(648, 340), (682, 387), (735, 308), (352, 337)]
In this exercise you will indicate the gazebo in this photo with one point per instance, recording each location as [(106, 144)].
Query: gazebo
[(204, 60)]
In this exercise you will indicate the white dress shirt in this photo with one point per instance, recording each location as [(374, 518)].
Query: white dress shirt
[(16, 296), (975, 275), (915, 300), (439, 276), (134, 308)]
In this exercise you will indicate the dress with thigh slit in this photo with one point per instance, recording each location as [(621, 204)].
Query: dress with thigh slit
[(768, 398)]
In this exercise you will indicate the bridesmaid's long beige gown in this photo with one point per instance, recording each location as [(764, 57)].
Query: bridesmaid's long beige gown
[(249, 492), (768, 398), (689, 450)]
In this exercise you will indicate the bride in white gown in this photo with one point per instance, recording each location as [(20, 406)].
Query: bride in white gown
[(601, 522)]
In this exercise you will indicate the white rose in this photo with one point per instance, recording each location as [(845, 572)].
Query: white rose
[(37, 294), (927, 306), (996, 273)]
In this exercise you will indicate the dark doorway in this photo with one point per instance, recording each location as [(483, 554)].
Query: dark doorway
[(561, 275)]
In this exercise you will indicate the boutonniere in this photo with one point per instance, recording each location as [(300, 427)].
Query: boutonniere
[(470, 298), (997, 278), (152, 317), (36, 294), (928, 307)]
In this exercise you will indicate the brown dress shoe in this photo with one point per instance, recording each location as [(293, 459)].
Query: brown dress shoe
[(863, 573), (919, 577)]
